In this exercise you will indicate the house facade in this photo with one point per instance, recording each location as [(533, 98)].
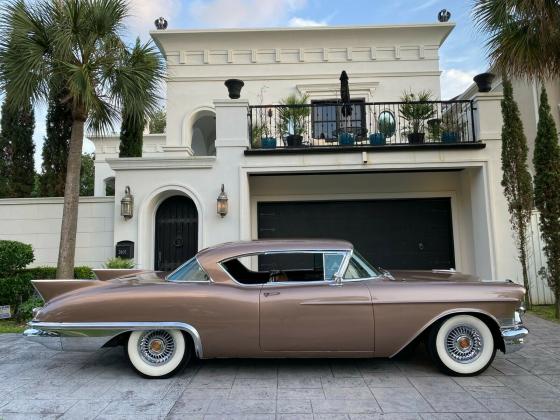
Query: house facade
[(412, 186)]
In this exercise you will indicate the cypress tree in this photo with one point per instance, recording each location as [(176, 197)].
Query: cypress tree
[(17, 151), (516, 179), (132, 134), (56, 144), (547, 194)]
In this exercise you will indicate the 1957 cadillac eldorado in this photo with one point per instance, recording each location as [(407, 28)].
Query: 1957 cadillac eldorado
[(282, 298)]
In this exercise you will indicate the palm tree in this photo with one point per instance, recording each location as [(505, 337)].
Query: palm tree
[(78, 42), (524, 36)]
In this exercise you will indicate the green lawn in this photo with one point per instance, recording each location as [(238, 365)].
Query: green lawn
[(544, 311), (8, 326)]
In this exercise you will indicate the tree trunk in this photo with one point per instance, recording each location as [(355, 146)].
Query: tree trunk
[(523, 252), (557, 306), (67, 248)]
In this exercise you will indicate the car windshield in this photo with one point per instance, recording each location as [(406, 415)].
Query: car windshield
[(359, 268), (189, 271)]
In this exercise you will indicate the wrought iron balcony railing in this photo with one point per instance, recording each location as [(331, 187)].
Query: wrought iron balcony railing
[(323, 124)]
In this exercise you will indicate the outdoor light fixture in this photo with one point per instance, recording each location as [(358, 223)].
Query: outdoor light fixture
[(222, 203), (127, 204)]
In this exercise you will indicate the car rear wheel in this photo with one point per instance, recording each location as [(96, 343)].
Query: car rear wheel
[(462, 345), (157, 353)]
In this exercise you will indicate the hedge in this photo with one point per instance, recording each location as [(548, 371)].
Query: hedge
[(16, 289)]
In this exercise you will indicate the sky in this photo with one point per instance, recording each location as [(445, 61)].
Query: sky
[(461, 56)]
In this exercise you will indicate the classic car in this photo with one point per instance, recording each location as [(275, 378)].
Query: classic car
[(282, 298)]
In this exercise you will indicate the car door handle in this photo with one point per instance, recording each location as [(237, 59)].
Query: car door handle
[(267, 294)]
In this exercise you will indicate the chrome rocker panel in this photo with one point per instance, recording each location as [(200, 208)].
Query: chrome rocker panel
[(91, 336)]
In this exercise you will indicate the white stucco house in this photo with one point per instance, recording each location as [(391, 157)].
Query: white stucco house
[(433, 202)]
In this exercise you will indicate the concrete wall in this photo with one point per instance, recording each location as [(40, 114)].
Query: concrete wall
[(37, 221)]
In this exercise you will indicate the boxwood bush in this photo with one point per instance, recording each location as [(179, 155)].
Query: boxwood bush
[(14, 256), (16, 289)]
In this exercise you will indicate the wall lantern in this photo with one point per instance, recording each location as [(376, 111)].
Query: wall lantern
[(222, 203), (127, 204)]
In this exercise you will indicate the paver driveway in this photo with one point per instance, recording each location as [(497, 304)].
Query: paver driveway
[(36, 382)]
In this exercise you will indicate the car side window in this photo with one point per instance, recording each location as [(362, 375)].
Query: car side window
[(191, 271), (358, 268), (331, 264)]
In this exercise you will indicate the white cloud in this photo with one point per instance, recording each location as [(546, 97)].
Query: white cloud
[(301, 22), (455, 82), (425, 5), (243, 13), (143, 13)]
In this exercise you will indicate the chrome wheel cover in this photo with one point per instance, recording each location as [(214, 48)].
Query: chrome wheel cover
[(156, 347), (464, 344)]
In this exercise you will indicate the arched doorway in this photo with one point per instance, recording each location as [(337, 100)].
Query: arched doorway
[(204, 134), (176, 232)]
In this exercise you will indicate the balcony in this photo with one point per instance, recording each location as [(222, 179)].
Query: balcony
[(323, 126)]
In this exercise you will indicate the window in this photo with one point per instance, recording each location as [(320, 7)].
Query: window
[(191, 271), (283, 267), (358, 268), (328, 120)]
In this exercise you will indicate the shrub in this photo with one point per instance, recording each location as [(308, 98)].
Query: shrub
[(15, 289), (48, 273), (25, 310), (118, 262), (14, 256)]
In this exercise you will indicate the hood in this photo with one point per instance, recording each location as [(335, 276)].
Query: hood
[(433, 275)]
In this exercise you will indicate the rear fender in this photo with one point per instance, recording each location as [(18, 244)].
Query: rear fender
[(49, 289)]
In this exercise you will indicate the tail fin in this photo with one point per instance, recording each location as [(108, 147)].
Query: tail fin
[(49, 289)]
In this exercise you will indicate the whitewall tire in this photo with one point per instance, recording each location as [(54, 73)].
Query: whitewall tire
[(157, 353), (462, 345)]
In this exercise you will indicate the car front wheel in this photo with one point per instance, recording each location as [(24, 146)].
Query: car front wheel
[(157, 353), (462, 345)]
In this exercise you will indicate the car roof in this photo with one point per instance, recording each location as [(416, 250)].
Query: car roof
[(232, 249)]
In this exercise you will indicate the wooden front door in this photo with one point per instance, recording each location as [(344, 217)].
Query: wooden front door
[(176, 233)]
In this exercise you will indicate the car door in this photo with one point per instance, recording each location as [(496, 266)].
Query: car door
[(316, 315)]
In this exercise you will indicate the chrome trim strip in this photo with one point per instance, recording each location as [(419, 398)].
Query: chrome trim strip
[(103, 332)]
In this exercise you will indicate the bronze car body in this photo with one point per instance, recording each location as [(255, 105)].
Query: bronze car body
[(361, 317)]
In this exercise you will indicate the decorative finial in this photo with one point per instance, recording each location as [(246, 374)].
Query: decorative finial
[(444, 15), (160, 23)]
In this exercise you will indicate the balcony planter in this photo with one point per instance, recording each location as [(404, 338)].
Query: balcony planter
[(294, 140), (346, 139), (449, 137), (268, 143), (416, 138), (234, 88), (484, 81), (377, 139)]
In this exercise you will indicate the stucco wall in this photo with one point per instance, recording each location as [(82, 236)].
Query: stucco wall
[(37, 221)]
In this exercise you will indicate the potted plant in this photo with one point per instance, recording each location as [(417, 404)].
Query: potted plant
[(434, 129), (292, 115), (346, 139), (484, 81), (261, 132), (386, 128), (450, 131), (415, 109)]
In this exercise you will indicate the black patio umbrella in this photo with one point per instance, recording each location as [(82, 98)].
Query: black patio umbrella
[(345, 94)]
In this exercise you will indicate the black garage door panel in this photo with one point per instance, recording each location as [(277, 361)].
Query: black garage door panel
[(403, 233)]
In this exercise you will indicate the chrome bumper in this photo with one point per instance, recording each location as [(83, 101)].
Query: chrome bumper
[(514, 338), (49, 339)]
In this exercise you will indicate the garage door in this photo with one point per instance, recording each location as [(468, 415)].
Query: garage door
[(402, 233)]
